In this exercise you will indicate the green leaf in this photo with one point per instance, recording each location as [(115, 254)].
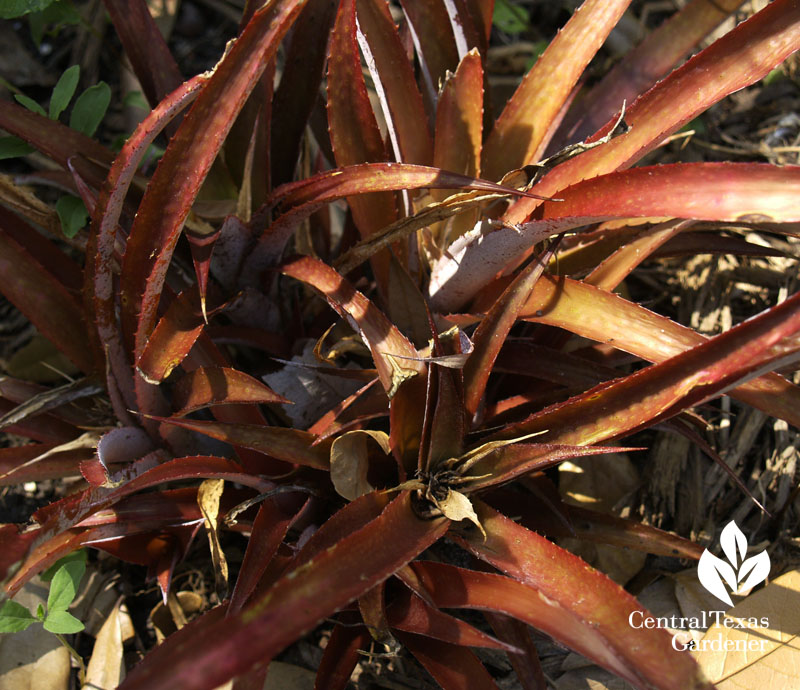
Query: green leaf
[(29, 103), (11, 9), (14, 617), (64, 90), (51, 19), (13, 147), (136, 100), (63, 623), (72, 214), (40, 614), (64, 586), (510, 18), (75, 556), (90, 108)]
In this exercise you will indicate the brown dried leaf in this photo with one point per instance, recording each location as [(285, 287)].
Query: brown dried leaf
[(106, 668), (458, 507), (208, 497), (350, 462), (757, 656)]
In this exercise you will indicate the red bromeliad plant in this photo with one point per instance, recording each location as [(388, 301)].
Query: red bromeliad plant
[(451, 221)]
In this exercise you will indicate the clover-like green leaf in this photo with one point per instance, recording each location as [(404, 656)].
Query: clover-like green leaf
[(14, 147), (15, 617), (90, 108), (64, 90), (77, 556), (64, 586), (63, 623), (72, 214), (29, 103), (11, 9)]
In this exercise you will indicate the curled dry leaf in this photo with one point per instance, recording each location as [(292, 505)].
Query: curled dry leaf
[(456, 507), (350, 462), (208, 498)]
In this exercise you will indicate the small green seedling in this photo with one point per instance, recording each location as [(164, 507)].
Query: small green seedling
[(88, 111), (64, 576)]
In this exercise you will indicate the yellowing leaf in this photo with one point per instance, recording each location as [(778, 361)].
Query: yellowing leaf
[(106, 669), (350, 462), (208, 497), (764, 650), (458, 507)]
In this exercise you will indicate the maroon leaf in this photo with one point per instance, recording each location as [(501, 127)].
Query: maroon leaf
[(186, 163), (459, 119), (518, 134), (453, 667), (274, 518), (55, 536), (220, 386), (305, 61), (643, 66), (411, 614), (299, 200), (145, 47), (390, 348), (44, 300), (210, 654), (291, 445), (767, 38), (573, 603), (434, 40), (705, 191), (395, 84), (572, 304), (354, 133), (99, 287), (173, 337), (341, 656), (615, 409), (495, 327)]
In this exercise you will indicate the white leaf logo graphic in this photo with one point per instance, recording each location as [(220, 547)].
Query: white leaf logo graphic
[(739, 573)]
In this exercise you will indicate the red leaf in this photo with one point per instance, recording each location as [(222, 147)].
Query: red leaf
[(220, 386), (354, 133), (341, 656), (56, 141), (269, 529), (173, 337), (738, 59), (495, 327), (210, 654), (411, 614), (434, 40), (648, 62), (305, 61), (518, 134), (99, 291), (454, 668), (378, 333), (395, 84), (54, 538), (564, 598), (291, 445), (618, 408), (145, 47), (459, 119), (44, 300), (186, 163), (297, 201), (573, 305), (705, 191)]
